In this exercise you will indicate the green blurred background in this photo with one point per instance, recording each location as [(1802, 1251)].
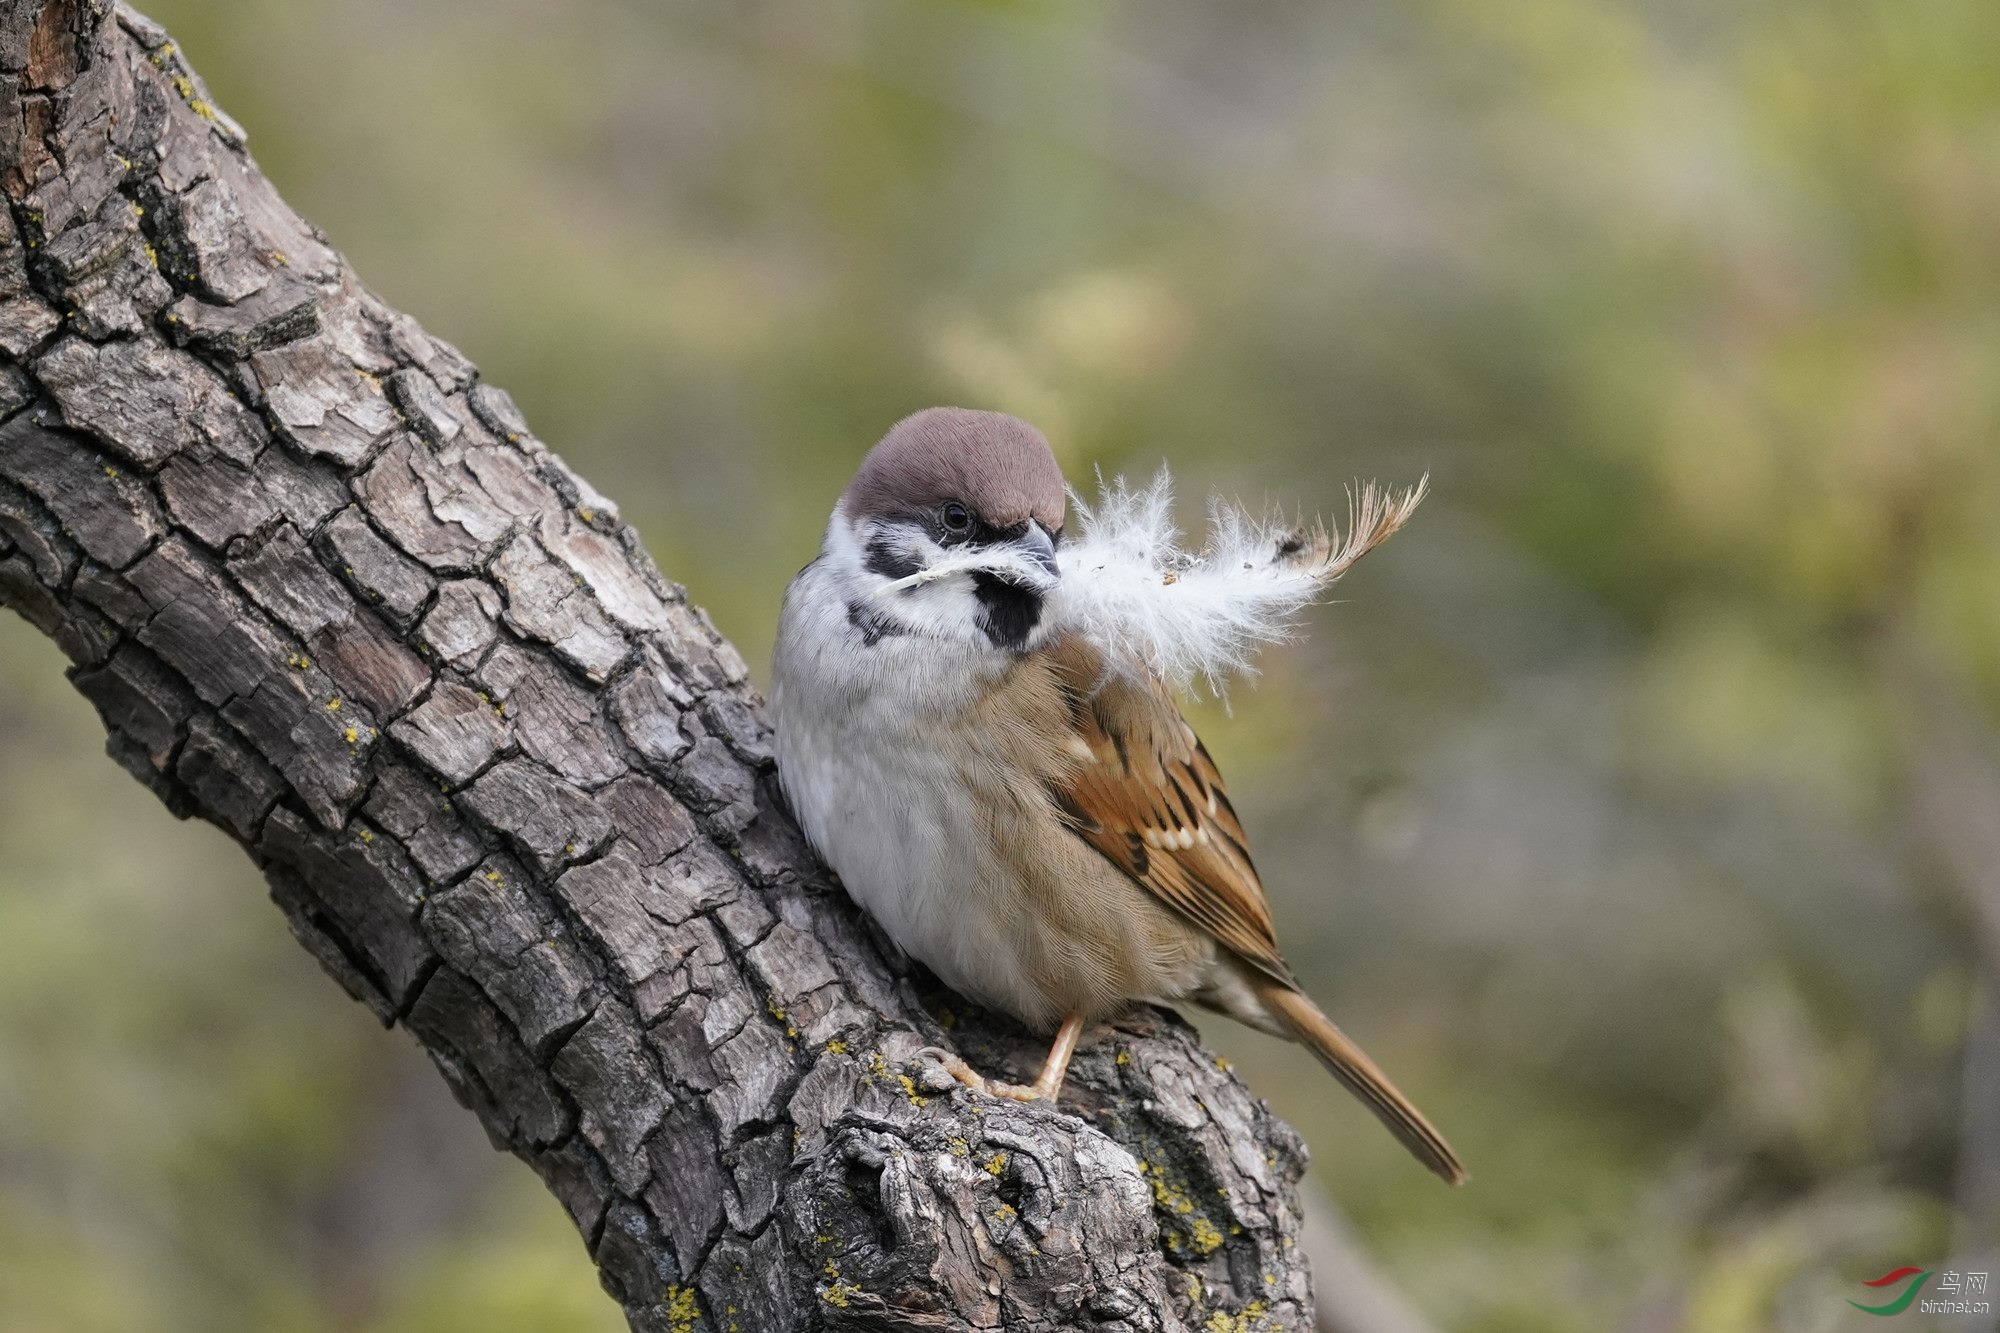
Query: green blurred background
[(1629, 806)]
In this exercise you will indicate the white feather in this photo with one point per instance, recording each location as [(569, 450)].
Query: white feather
[(1006, 562), (1131, 588)]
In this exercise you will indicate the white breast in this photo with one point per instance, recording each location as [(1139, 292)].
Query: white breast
[(858, 754)]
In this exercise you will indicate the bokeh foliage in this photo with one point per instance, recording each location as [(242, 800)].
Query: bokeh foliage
[(1590, 807)]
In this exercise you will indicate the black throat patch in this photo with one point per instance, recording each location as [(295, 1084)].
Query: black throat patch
[(1009, 612)]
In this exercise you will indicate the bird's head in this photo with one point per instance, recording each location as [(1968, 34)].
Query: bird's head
[(950, 528)]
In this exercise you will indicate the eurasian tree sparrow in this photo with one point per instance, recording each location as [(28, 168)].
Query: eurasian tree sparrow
[(976, 729)]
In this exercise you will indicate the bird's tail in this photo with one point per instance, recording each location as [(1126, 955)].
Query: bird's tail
[(1351, 1065)]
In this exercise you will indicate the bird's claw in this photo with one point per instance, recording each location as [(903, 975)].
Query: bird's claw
[(955, 1066)]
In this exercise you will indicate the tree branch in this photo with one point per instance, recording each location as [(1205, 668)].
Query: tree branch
[(329, 593)]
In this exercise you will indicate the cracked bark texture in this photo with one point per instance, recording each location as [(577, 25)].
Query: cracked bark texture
[(513, 791)]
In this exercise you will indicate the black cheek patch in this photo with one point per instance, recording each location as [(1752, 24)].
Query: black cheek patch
[(1008, 613), (886, 560), (873, 626)]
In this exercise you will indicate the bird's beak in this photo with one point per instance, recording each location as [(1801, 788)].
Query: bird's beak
[(1039, 547)]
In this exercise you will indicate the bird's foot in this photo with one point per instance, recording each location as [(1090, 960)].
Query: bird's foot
[(978, 1082)]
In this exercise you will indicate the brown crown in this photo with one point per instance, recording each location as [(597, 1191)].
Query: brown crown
[(998, 466)]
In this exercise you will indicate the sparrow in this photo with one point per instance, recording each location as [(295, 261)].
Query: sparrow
[(977, 730)]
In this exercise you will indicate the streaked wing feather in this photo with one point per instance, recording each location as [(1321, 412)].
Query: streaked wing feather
[(1150, 799)]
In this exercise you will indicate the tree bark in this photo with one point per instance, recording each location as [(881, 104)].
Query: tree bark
[(514, 792)]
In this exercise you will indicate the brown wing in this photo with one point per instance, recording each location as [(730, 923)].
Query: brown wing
[(1144, 792)]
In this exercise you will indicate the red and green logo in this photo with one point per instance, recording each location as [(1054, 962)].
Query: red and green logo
[(1915, 1277)]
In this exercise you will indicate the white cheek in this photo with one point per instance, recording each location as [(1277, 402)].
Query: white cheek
[(947, 609)]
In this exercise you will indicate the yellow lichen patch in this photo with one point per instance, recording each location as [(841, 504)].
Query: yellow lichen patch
[(1247, 1322), (836, 1047), (1164, 1194), (1124, 1057), (909, 1086), (995, 1164), (353, 735), (839, 1294), (1005, 1212), (365, 835), (959, 1147), (681, 1309), (1202, 1235), (493, 877), (778, 1012), (333, 705), (111, 472), (280, 257), (587, 515)]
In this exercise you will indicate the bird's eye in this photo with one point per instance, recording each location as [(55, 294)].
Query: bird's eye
[(956, 517)]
